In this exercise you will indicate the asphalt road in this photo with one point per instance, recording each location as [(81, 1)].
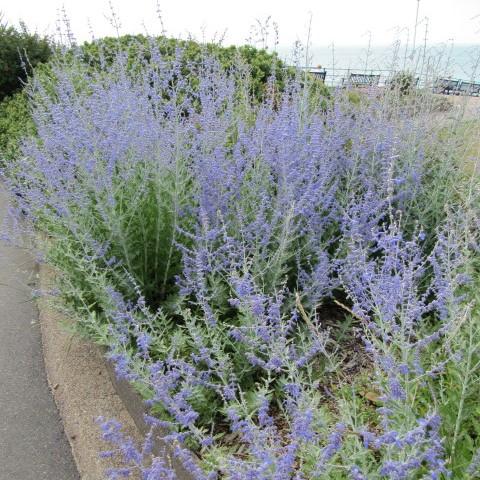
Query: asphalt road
[(33, 445)]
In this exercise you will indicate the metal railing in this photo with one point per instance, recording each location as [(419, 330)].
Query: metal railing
[(335, 77), (340, 77)]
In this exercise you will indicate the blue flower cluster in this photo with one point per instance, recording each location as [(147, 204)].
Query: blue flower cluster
[(220, 245)]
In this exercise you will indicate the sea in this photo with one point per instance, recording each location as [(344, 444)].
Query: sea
[(459, 62)]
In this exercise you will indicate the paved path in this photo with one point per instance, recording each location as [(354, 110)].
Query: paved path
[(32, 442)]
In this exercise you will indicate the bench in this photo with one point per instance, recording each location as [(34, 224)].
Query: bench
[(468, 88), (362, 80), (446, 86), (319, 74)]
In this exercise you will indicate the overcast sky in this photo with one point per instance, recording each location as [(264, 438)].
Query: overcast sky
[(344, 22)]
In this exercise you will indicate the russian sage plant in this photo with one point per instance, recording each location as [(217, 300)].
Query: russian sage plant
[(234, 254)]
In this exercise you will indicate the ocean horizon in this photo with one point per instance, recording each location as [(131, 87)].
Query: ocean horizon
[(454, 61)]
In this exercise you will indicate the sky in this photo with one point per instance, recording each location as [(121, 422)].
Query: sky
[(342, 22)]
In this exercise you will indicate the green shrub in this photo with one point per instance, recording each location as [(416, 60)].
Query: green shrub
[(20, 52), (403, 82), (261, 65), (15, 123)]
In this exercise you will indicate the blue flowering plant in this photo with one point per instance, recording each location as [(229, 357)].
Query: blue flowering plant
[(287, 282)]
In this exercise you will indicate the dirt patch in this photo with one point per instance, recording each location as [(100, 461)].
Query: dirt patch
[(463, 107), (469, 107)]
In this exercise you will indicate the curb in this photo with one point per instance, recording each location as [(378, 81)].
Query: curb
[(136, 407), (80, 382), (84, 386)]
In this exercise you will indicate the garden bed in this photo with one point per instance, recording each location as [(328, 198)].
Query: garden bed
[(285, 279)]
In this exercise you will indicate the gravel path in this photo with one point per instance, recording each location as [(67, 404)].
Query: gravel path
[(33, 445)]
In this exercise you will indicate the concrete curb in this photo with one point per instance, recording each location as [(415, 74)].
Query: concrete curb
[(84, 386), (80, 382), (136, 407)]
